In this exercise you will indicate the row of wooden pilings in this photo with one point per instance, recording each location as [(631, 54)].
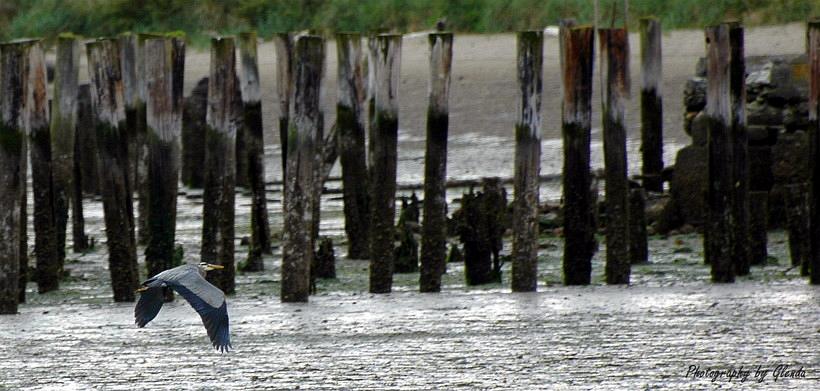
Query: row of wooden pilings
[(136, 91)]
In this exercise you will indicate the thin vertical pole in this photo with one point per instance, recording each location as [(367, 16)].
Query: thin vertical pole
[(283, 43), (434, 228), (814, 134), (651, 105), (530, 60), (740, 152)]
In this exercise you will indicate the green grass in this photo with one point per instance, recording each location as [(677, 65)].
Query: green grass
[(48, 18)]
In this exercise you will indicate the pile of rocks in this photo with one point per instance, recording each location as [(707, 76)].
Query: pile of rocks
[(777, 123)]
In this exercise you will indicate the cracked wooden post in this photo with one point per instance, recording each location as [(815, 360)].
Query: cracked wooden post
[(717, 241), (164, 74), (220, 165), (614, 49), (651, 104), (13, 77), (63, 126), (740, 152), (283, 44), (352, 156), (132, 68), (530, 59), (112, 145), (638, 250), (252, 122), (434, 229), (45, 232), (383, 157), (577, 51), (82, 146), (813, 44), (297, 243)]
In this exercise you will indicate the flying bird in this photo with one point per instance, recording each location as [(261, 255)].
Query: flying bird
[(189, 281)]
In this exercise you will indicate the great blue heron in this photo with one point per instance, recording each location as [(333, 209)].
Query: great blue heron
[(189, 281)]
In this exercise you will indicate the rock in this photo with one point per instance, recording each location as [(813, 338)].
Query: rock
[(694, 94), (688, 185), (763, 114), (700, 129), (761, 135)]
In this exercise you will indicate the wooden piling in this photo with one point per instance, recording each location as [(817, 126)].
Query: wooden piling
[(758, 227), (194, 118), (112, 146), (87, 157), (133, 73), (577, 51), (434, 229), (164, 74), (651, 104), (813, 37), (283, 44), (383, 158), (255, 146), (614, 49), (220, 165), (530, 61), (297, 243), (638, 249), (718, 227), (352, 157), (740, 152), (77, 216), (63, 125), (13, 78), (45, 232), (797, 224)]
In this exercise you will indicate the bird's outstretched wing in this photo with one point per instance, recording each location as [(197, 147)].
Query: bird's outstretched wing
[(150, 302), (210, 303)]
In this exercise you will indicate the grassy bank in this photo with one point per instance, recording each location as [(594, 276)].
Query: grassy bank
[(47, 18)]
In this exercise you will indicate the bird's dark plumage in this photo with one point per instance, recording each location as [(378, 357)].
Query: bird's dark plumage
[(207, 300)]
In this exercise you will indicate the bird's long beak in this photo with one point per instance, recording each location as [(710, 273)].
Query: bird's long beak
[(141, 289), (211, 266)]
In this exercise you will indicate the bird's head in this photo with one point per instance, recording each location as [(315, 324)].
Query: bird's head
[(209, 266)]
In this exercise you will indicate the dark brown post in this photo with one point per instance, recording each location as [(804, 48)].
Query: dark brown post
[(112, 145), (383, 159), (651, 105), (220, 165), (577, 51), (434, 229), (758, 227), (740, 152), (164, 73), (133, 71), (717, 239), (297, 243), (194, 113), (87, 140), (813, 37), (614, 45), (530, 61), (352, 156), (14, 75), (84, 144), (63, 125), (45, 233), (797, 220), (255, 147), (638, 250), (283, 42)]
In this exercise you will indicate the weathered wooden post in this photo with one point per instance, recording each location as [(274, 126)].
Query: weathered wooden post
[(813, 37), (614, 46), (434, 229), (740, 152), (651, 104), (220, 165), (283, 43), (350, 121), (63, 125), (194, 119), (577, 51), (297, 243), (638, 250), (252, 120), (530, 59), (112, 145), (797, 220), (758, 227), (45, 233), (13, 79), (164, 73), (133, 72), (718, 227), (85, 144), (383, 159)]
